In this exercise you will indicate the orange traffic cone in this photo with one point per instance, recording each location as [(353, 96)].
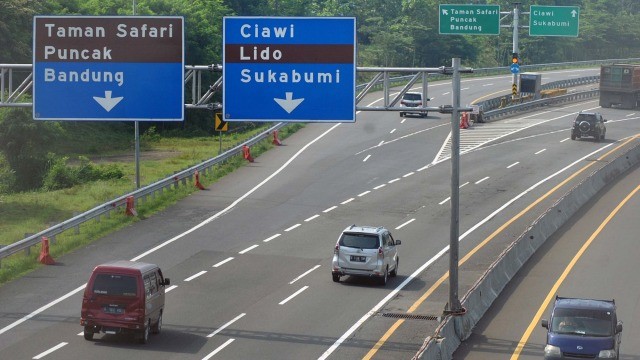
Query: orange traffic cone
[(130, 210), (198, 184), (45, 257), (276, 141), (246, 152)]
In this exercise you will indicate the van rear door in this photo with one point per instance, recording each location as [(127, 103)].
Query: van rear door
[(115, 297)]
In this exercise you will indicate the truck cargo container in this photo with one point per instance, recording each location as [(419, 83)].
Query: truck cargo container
[(620, 86)]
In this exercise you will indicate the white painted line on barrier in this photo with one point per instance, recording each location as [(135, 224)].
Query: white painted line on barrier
[(405, 224), (195, 275), (304, 274), (311, 218), (481, 180), (540, 151), (43, 354), (271, 237), (292, 227), (248, 249), (214, 352), (329, 209), (223, 262), (293, 295), (379, 187), (347, 201), (221, 328), (514, 164), (366, 158)]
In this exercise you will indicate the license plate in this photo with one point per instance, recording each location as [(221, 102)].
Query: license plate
[(358, 258), (113, 310)]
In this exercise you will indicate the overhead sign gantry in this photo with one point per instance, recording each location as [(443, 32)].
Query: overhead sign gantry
[(108, 68)]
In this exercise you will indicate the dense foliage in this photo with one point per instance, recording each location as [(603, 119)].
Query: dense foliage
[(389, 33)]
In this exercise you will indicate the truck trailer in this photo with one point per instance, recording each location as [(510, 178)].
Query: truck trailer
[(620, 86)]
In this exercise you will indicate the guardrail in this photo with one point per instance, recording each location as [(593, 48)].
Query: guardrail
[(105, 209)]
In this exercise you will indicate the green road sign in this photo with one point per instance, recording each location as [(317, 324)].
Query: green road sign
[(554, 20), (469, 19)]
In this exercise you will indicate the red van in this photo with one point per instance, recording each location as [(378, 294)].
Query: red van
[(124, 297)]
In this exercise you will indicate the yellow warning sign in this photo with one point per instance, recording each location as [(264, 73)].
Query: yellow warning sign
[(220, 125), (514, 89)]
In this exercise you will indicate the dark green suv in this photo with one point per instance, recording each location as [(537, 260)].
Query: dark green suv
[(589, 124)]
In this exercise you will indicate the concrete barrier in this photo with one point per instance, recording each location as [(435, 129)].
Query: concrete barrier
[(455, 329)]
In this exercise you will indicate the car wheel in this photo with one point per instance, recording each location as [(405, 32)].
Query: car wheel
[(158, 326), (425, 114), (573, 135), (401, 114), (383, 278), (394, 273), (144, 336), (88, 333), (336, 277)]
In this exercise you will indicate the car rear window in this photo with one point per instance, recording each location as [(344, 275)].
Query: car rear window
[(115, 285), (585, 322), (586, 117), (362, 241), (412, 96)]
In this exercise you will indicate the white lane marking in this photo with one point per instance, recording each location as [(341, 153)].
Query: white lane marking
[(630, 114), (347, 201), (394, 180), (460, 187), (487, 85), (43, 354), (392, 131), (223, 262), (292, 227), (364, 193), (214, 352), (170, 288), (229, 323), (446, 93), (248, 249), (418, 271), (514, 164), (464, 89), (293, 295), (238, 200), (405, 224), (366, 158), (563, 140), (444, 201), (41, 309), (402, 121), (304, 274), (195, 275), (481, 180), (540, 151), (379, 187), (408, 174), (329, 209), (311, 218), (271, 237), (381, 143)]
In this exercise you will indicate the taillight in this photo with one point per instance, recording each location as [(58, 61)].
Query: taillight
[(380, 253), (336, 250)]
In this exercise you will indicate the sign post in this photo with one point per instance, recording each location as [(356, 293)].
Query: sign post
[(554, 20), (289, 69), (469, 19), (108, 68)]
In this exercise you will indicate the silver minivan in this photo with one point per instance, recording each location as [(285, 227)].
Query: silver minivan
[(365, 251)]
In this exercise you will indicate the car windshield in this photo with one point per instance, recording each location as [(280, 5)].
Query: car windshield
[(586, 117), (582, 322), (115, 285), (362, 241), (412, 97)]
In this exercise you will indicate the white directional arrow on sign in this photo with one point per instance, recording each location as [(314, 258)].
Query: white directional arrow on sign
[(445, 12), (574, 13), (107, 102), (289, 104)]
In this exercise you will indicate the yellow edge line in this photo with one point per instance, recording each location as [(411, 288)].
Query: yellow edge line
[(565, 273), (444, 277)]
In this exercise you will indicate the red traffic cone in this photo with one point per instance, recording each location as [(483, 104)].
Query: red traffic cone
[(197, 183), (45, 257), (246, 152)]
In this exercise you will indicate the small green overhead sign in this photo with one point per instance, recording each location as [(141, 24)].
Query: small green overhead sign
[(554, 20), (469, 19)]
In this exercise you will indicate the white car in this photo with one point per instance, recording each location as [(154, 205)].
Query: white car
[(365, 251), (413, 100)]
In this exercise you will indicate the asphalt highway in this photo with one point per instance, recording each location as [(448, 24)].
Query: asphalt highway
[(249, 258)]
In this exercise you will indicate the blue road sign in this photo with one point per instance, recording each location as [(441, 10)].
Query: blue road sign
[(515, 68), (289, 69), (108, 68)]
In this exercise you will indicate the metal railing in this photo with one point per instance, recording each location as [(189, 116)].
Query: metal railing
[(175, 180)]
